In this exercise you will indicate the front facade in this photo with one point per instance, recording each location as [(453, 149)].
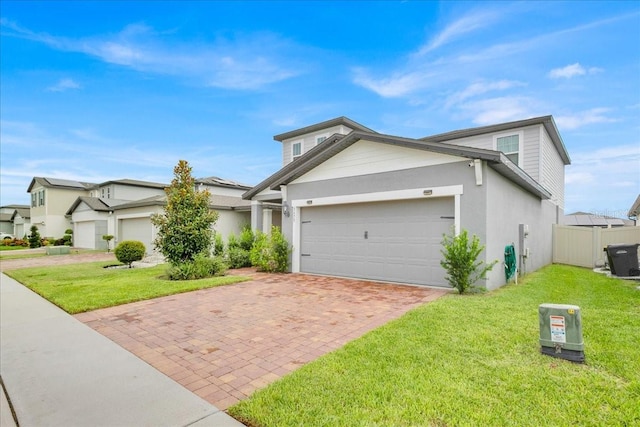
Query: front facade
[(374, 206)]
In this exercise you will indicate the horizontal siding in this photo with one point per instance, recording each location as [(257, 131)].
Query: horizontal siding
[(552, 171), (531, 151), (479, 141), (309, 141)]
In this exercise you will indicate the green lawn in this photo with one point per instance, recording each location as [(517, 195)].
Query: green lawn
[(474, 361), (78, 288)]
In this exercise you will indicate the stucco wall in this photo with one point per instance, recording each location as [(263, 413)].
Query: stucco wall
[(508, 205)]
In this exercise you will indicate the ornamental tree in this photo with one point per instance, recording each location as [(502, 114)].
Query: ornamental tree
[(184, 230)]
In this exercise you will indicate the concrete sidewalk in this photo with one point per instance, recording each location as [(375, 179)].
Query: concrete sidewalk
[(59, 372)]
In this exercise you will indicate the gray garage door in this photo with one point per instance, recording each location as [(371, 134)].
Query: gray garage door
[(396, 241), (137, 229)]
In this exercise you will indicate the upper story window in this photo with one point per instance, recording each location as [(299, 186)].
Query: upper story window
[(105, 193), (37, 198), (296, 150), (510, 146), (320, 139)]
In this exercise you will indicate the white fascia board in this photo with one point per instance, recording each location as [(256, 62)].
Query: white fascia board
[(383, 196)]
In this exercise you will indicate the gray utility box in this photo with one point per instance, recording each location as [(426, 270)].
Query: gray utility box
[(623, 260), (561, 331)]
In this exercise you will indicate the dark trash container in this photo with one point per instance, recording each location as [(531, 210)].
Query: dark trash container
[(623, 259)]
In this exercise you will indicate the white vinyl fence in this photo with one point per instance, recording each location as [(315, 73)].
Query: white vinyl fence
[(583, 246)]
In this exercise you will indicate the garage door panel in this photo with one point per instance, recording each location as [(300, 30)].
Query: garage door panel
[(390, 241)]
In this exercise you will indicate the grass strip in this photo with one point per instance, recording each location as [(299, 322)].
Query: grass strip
[(77, 288), (474, 360)]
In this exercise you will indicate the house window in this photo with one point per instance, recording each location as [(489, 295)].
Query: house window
[(105, 193), (41, 197), (510, 146), (320, 139), (34, 200), (296, 150)]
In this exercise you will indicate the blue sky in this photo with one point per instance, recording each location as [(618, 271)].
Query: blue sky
[(98, 91)]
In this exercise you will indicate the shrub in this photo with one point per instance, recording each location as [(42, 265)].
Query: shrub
[(201, 267), (129, 251), (270, 252), (461, 261), (238, 257), (247, 238), (34, 238), (232, 241), (218, 245)]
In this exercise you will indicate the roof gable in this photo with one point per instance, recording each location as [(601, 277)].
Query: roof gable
[(323, 125), (547, 121), (65, 184), (335, 145)]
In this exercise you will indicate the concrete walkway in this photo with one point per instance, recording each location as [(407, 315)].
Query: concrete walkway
[(59, 372)]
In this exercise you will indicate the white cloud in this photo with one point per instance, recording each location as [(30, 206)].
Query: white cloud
[(500, 109), (245, 62), (573, 70), (397, 85), (578, 178), (63, 85), (568, 71), (467, 24), (480, 88), (583, 118)]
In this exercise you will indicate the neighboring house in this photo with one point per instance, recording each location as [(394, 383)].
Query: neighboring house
[(21, 219), (6, 219), (130, 219), (50, 199), (585, 219), (356, 203)]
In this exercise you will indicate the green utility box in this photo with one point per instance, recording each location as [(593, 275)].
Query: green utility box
[(561, 331), (57, 250)]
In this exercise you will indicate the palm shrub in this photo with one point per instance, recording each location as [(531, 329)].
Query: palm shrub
[(271, 252), (129, 251), (460, 260)]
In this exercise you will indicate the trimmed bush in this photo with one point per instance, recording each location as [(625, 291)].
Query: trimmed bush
[(247, 238), (129, 251), (270, 253), (201, 267), (238, 257), (218, 245), (34, 238)]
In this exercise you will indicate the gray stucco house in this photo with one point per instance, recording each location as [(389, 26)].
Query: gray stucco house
[(356, 203)]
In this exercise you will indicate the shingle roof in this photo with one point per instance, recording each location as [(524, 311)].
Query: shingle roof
[(221, 182), (323, 125), (60, 183), (546, 121), (332, 146)]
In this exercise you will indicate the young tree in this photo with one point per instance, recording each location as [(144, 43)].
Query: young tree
[(460, 260), (35, 241), (185, 227)]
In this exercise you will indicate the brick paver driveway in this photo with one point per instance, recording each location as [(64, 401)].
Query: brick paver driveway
[(226, 342)]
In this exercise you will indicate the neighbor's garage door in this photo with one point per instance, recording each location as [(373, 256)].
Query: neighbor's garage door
[(396, 241), (84, 235), (137, 229)]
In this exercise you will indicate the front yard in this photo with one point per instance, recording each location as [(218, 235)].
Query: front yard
[(460, 360), (474, 360), (78, 288)]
